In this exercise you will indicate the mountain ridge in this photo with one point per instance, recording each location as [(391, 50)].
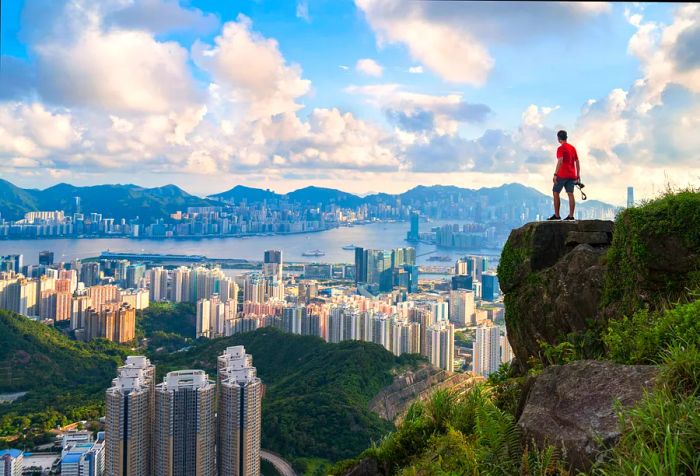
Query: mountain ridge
[(130, 201)]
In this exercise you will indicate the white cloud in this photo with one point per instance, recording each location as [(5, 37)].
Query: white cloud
[(369, 67), (415, 70), (450, 37), (303, 10), (251, 70), (160, 16)]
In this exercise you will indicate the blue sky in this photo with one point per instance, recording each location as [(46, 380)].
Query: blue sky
[(282, 94)]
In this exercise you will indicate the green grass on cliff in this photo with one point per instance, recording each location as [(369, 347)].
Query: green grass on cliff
[(459, 433), (655, 253)]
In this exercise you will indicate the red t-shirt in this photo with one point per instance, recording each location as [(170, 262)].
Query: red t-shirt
[(567, 152)]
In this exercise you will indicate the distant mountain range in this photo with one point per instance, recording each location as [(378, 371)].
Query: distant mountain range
[(131, 201)]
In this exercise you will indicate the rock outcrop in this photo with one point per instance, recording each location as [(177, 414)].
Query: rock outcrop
[(393, 401), (573, 406), (553, 275)]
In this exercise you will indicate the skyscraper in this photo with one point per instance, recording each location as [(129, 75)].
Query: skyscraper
[(272, 264), (46, 258), (414, 232), (462, 282), (129, 407), (487, 350), (90, 273), (630, 197), (185, 429), (239, 414), (360, 266), (489, 286)]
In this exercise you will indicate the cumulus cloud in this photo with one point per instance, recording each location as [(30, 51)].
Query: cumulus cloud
[(369, 67), (450, 39), (415, 70), (252, 68), (161, 16), (417, 111)]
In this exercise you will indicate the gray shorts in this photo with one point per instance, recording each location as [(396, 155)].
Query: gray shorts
[(565, 183)]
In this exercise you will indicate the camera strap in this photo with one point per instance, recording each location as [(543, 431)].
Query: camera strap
[(583, 195)]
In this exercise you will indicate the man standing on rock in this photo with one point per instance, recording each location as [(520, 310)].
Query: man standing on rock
[(566, 175)]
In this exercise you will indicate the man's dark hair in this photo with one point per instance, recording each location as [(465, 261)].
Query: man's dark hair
[(561, 135)]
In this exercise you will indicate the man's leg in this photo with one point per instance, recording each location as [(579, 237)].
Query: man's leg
[(572, 203), (557, 204)]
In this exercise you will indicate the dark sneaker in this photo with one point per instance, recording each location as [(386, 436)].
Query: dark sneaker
[(553, 217), (569, 218)]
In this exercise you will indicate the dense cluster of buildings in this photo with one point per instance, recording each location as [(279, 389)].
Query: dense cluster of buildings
[(186, 425), (99, 299)]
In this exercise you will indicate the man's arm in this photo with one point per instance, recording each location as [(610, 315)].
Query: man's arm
[(556, 171), (578, 169)]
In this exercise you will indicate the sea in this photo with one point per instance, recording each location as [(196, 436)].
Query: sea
[(330, 242)]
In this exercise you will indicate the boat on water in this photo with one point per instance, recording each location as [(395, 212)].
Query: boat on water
[(349, 247), (313, 253)]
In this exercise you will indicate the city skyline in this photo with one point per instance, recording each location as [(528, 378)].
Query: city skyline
[(155, 88)]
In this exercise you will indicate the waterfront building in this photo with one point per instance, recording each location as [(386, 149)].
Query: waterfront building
[(184, 433)]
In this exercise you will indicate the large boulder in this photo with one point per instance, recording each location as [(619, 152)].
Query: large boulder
[(553, 275), (573, 406)]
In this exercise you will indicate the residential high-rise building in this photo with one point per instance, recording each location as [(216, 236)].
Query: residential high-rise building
[(440, 310), (489, 286), (272, 264), (239, 414), (129, 418), (90, 273), (462, 308), (506, 350), (308, 290), (293, 318), (116, 323), (158, 284), (12, 263), (11, 462), (134, 274), (184, 433), (440, 345), (487, 350)]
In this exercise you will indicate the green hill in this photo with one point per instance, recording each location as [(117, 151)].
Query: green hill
[(317, 393), (64, 380), (112, 201)]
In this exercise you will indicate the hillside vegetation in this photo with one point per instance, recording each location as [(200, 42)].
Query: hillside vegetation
[(317, 394), (64, 380)]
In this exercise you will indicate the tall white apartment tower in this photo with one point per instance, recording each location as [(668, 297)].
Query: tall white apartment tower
[(129, 406), (487, 350), (239, 414), (184, 436), (462, 308), (158, 282), (441, 345)]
